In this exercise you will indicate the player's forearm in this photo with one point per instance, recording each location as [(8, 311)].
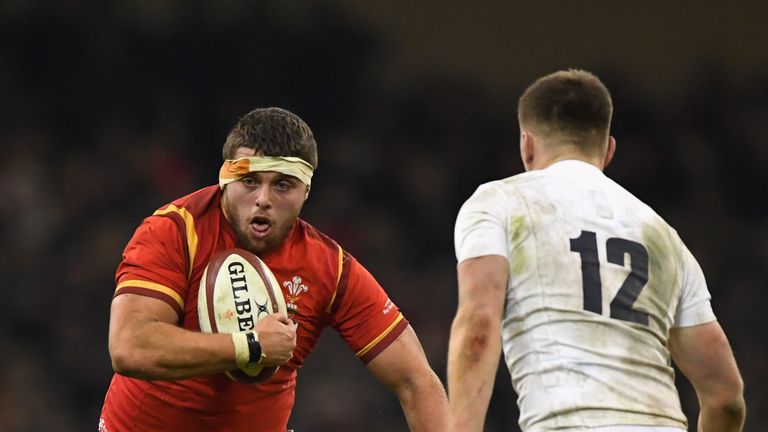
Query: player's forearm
[(473, 357), (425, 404), (162, 351), (723, 417)]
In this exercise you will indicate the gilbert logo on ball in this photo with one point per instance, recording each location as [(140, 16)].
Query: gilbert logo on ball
[(236, 291)]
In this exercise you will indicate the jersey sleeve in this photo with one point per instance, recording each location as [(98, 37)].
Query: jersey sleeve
[(154, 263), (479, 229), (366, 318), (694, 307)]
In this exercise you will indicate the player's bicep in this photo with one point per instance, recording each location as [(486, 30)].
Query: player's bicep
[(482, 284), (130, 311), (704, 356)]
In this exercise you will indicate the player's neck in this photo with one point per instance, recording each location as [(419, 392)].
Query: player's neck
[(547, 160), (540, 153)]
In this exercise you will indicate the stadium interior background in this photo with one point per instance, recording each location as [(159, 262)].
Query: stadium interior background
[(109, 110)]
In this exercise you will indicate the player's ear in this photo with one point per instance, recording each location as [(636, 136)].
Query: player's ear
[(527, 151), (609, 151)]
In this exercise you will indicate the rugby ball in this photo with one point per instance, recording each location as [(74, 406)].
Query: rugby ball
[(236, 291)]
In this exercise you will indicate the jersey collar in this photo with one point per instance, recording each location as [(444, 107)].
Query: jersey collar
[(574, 168)]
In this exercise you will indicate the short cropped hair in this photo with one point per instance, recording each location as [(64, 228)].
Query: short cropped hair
[(272, 132), (571, 106)]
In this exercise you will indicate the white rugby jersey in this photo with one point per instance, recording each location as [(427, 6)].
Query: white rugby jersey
[(596, 280)]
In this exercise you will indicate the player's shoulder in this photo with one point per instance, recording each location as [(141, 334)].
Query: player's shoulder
[(195, 204), (654, 222), (512, 184), (492, 187), (639, 205), (495, 192), (315, 239), (183, 215)]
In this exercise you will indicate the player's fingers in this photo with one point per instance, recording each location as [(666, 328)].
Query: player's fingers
[(292, 331), (282, 318)]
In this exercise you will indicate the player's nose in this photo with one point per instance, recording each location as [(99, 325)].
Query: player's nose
[(263, 197)]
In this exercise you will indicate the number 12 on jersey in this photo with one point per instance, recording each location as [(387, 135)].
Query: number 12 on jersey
[(621, 305)]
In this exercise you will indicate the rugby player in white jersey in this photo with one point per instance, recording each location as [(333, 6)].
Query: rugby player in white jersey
[(587, 290)]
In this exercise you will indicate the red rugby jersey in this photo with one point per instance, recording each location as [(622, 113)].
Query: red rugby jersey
[(322, 284)]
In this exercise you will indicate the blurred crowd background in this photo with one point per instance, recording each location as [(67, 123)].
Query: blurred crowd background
[(108, 110)]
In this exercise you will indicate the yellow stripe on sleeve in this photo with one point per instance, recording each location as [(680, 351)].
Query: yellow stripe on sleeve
[(153, 286), (338, 279), (383, 334), (189, 225)]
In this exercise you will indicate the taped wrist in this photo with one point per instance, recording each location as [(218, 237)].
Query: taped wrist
[(242, 353), (247, 348)]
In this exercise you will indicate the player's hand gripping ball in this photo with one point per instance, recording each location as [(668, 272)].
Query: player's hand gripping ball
[(236, 291)]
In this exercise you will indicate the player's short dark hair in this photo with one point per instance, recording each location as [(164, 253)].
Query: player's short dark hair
[(571, 106), (272, 132)]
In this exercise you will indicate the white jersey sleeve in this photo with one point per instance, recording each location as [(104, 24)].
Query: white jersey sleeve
[(694, 307), (480, 225)]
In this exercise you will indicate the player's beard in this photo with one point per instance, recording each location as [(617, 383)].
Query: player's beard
[(240, 224)]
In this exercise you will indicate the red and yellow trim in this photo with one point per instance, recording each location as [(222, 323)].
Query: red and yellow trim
[(387, 336), (152, 289), (189, 229), (338, 279)]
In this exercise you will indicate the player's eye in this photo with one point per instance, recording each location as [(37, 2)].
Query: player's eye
[(283, 185), (249, 181)]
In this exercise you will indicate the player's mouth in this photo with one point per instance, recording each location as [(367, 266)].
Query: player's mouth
[(260, 226)]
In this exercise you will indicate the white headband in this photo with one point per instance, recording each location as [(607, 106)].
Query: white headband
[(235, 169)]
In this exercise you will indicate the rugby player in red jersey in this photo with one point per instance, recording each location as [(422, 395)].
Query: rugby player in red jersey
[(169, 376)]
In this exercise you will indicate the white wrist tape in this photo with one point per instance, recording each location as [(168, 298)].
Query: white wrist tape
[(242, 353)]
